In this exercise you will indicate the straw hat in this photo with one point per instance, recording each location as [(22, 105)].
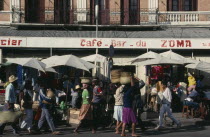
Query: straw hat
[(77, 87), (12, 78)]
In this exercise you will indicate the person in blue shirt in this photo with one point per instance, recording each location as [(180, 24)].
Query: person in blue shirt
[(128, 113), (10, 99), (199, 83), (191, 99), (45, 103)]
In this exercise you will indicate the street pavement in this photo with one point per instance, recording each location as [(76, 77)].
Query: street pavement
[(192, 127)]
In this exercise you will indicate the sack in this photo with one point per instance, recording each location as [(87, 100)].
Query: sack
[(9, 116), (74, 116), (141, 84), (38, 114)]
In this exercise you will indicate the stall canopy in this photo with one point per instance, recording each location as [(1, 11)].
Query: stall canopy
[(28, 62), (202, 66), (50, 70), (172, 55), (68, 60), (148, 55), (160, 61), (94, 58)]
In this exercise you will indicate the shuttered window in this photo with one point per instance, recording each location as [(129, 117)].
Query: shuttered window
[(81, 10), (34, 11), (182, 5), (1, 4), (188, 5), (175, 5)]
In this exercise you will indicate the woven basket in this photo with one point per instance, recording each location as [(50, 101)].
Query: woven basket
[(115, 80), (116, 72), (126, 74), (85, 80), (125, 80)]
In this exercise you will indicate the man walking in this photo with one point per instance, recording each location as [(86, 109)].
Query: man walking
[(97, 101), (10, 99), (165, 108)]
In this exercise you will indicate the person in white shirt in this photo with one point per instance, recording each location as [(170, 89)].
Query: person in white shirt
[(166, 104)]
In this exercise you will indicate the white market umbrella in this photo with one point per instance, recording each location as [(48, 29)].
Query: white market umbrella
[(28, 62), (68, 60), (160, 61), (190, 61), (172, 55), (94, 58), (202, 66), (148, 55), (50, 70)]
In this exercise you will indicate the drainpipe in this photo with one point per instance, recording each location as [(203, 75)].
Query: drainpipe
[(19, 11), (11, 11)]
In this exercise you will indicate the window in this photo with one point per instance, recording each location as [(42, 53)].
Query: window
[(133, 4), (175, 5), (188, 5), (1, 4), (182, 5), (81, 9), (34, 11)]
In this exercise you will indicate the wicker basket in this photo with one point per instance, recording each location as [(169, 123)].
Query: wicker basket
[(116, 73), (85, 80), (126, 74), (125, 80), (115, 80)]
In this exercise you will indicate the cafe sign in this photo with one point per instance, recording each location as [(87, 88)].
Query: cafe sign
[(123, 43)]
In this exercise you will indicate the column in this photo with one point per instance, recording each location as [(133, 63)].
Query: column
[(15, 9), (153, 6)]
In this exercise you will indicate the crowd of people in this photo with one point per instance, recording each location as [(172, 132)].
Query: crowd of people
[(88, 97)]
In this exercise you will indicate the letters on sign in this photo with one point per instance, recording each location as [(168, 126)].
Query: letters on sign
[(10, 42), (132, 43), (176, 43)]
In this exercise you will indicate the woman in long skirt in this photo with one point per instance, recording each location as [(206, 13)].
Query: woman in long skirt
[(118, 108), (86, 109)]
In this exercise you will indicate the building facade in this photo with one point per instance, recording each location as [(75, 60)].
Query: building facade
[(41, 28), (111, 12)]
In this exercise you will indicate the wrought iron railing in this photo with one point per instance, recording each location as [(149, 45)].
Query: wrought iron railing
[(111, 17)]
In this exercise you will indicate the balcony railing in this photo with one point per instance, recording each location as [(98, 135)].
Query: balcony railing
[(184, 18), (113, 17)]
